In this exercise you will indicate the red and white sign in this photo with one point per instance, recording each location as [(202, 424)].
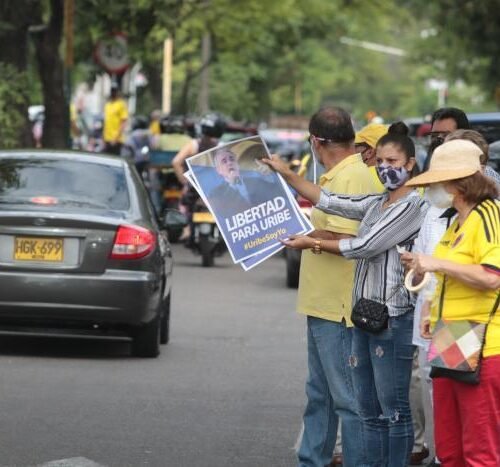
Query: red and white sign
[(112, 54)]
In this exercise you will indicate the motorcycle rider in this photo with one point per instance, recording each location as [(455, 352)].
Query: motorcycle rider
[(172, 135), (212, 128), (137, 146)]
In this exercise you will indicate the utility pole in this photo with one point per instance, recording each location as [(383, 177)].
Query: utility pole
[(168, 46)]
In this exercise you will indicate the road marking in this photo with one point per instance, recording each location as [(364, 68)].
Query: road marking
[(72, 462)]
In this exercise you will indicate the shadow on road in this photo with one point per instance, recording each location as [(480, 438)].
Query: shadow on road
[(63, 347)]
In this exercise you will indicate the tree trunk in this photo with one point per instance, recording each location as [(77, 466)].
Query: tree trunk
[(17, 16), (50, 67)]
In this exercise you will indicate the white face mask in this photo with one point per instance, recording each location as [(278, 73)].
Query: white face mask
[(438, 196), (315, 162)]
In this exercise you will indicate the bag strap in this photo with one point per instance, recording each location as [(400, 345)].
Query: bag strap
[(441, 298), (495, 307), (394, 293)]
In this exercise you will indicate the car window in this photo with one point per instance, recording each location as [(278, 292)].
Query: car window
[(63, 183)]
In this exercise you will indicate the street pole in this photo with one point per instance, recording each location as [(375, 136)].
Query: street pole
[(168, 46)]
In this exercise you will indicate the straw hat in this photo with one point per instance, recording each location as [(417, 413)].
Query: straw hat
[(454, 159)]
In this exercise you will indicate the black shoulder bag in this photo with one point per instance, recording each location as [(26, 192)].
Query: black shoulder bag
[(370, 315)]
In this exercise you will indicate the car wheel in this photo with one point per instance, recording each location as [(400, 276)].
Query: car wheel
[(165, 321), (174, 235), (207, 252), (146, 342)]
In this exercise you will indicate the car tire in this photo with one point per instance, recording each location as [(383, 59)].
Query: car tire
[(207, 251), (174, 235), (165, 322), (146, 342)]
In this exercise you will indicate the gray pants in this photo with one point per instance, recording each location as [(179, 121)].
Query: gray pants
[(417, 404)]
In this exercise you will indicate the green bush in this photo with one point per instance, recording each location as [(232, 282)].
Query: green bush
[(14, 101)]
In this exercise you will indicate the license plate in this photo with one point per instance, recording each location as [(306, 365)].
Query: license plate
[(203, 217), (38, 249)]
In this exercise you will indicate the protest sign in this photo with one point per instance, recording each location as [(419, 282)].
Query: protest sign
[(252, 205)]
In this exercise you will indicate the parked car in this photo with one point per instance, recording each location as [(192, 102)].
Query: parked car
[(81, 250), (487, 123), (494, 155), (288, 143)]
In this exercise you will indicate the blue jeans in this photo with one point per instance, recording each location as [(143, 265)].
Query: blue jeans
[(329, 391), (382, 365)]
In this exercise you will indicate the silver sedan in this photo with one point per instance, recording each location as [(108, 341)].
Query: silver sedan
[(81, 250)]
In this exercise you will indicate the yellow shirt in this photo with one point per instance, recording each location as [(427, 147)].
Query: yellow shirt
[(477, 241), (376, 179), (326, 280), (115, 112), (154, 127)]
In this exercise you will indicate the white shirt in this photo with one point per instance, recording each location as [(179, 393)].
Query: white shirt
[(433, 228)]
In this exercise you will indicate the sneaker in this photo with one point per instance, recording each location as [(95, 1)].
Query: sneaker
[(417, 458), (433, 463)]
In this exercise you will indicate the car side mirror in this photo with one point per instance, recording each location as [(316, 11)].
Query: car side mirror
[(174, 219)]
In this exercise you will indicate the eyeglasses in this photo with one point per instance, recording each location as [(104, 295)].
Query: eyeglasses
[(439, 134), (322, 140)]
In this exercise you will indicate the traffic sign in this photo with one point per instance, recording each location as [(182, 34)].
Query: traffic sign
[(111, 53)]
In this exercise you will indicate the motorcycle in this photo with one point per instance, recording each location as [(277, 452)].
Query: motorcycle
[(206, 238)]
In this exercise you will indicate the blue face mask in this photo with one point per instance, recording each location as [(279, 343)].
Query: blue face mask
[(392, 177)]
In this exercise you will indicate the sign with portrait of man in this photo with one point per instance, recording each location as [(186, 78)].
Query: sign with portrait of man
[(252, 205)]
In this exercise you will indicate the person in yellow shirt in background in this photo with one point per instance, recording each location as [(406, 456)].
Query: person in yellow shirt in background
[(324, 296), (115, 121), (365, 143), (154, 124)]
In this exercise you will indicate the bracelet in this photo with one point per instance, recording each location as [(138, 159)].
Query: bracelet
[(409, 281), (316, 249)]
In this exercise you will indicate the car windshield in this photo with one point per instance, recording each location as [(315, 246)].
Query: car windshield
[(63, 183)]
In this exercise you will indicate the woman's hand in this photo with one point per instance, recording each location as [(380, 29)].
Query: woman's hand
[(299, 242), (420, 263), (278, 165), (407, 259), (425, 321)]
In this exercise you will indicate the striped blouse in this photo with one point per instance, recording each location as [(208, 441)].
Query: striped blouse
[(379, 273)]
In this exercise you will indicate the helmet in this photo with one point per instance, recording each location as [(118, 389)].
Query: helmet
[(171, 124), (140, 122), (213, 125)]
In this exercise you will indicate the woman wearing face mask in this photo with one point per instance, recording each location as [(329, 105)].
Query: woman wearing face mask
[(381, 363), (466, 262)]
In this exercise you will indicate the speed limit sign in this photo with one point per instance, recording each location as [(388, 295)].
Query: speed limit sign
[(111, 53)]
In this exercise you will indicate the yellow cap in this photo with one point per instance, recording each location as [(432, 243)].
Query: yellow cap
[(370, 134)]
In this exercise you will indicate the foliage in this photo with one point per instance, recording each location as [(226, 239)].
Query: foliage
[(14, 100), (462, 40)]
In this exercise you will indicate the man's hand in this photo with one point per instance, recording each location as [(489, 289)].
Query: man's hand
[(262, 168), (278, 165), (299, 242)]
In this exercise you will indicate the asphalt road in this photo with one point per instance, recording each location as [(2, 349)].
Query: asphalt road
[(227, 391)]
